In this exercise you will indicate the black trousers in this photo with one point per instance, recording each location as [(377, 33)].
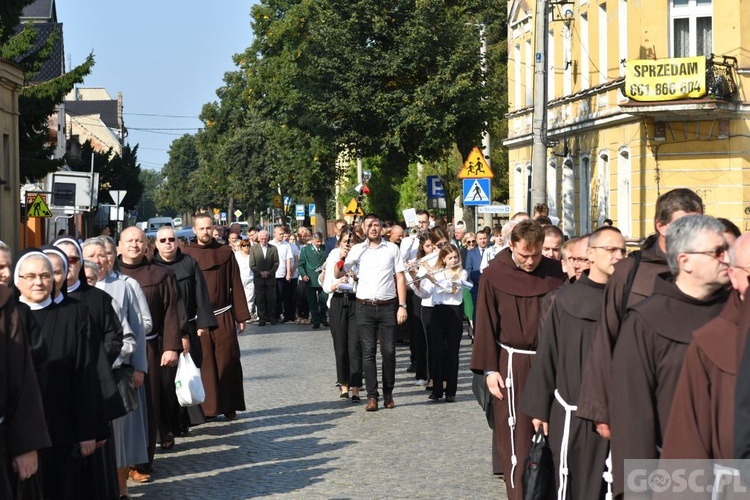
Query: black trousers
[(445, 340), (374, 321), (417, 336), (265, 298), (427, 325), (301, 299), (316, 302), (347, 346), (285, 298)]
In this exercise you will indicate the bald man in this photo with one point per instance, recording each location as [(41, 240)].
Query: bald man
[(164, 342)]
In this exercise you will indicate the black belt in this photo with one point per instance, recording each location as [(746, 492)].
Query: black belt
[(369, 302), (341, 295)]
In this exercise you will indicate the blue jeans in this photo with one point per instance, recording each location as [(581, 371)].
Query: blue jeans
[(374, 321)]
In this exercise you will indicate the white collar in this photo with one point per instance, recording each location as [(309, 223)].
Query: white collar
[(36, 306), (74, 286)]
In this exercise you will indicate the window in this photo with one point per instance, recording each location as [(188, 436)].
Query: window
[(691, 24), (518, 188), (622, 33), (585, 51), (568, 198), (603, 48), (529, 74), (550, 63), (567, 62), (517, 103), (552, 186), (602, 193), (584, 195), (624, 192)]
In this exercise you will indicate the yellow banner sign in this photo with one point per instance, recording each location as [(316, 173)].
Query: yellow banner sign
[(665, 79)]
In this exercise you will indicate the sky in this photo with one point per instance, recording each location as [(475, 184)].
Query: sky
[(167, 57)]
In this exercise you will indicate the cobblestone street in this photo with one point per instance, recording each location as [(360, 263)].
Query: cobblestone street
[(298, 439)]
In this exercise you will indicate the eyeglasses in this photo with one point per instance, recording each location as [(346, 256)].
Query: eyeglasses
[(580, 260), (441, 244), (716, 253), (623, 251), (471, 242), (31, 277), (244, 245), (72, 259), (164, 240)]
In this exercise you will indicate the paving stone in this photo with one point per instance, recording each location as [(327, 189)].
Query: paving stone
[(298, 439)]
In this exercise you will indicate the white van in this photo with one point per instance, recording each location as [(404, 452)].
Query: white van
[(154, 223)]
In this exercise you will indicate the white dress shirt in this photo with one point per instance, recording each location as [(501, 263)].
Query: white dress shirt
[(285, 252), (375, 268), (442, 292)]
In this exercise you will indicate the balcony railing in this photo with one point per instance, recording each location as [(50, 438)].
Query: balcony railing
[(720, 77)]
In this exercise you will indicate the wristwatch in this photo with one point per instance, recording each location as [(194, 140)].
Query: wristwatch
[(402, 305)]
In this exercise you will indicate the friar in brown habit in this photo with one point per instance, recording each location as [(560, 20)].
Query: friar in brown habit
[(221, 370), (165, 341), (551, 392), (632, 281), (655, 335), (701, 423), (508, 309)]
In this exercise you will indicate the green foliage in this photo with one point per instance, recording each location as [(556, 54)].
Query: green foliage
[(175, 192), (148, 206), (119, 172), (38, 101), (413, 191)]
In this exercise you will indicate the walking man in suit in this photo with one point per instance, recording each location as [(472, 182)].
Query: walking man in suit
[(264, 260)]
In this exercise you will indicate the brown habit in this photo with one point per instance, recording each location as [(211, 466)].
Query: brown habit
[(701, 422), (160, 288), (20, 400), (508, 309), (593, 400), (646, 365), (564, 345), (221, 370)]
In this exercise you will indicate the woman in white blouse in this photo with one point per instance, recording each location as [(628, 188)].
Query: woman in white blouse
[(446, 283)]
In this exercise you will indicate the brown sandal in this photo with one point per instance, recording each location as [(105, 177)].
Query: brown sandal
[(168, 443)]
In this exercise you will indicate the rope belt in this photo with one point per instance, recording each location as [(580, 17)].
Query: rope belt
[(152, 336), (511, 393), (719, 472), (222, 310), (563, 473), (607, 475)]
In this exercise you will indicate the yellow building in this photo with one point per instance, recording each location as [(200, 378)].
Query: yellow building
[(11, 80), (609, 155)]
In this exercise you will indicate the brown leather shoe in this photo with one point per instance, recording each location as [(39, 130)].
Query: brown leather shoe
[(372, 404), (388, 401), (139, 477)]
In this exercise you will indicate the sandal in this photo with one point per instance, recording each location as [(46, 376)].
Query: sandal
[(168, 443)]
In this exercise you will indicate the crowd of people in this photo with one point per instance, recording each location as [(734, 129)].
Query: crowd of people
[(93, 331)]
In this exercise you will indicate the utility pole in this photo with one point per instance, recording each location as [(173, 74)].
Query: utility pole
[(539, 126)]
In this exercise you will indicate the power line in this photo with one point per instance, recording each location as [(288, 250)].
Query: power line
[(150, 129), (162, 116)]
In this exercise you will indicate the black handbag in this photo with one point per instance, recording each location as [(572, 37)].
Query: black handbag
[(28, 489), (538, 478), (484, 397), (126, 386)]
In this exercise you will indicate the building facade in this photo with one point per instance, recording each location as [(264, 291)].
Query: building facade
[(618, 135), (11, 80)]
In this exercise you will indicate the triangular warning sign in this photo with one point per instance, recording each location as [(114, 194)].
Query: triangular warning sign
[(476, 167), (352, 209), (38, 208), (475, 193)]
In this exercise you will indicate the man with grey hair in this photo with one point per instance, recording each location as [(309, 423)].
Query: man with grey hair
[(655, 335), (264, 260), (709, 376)]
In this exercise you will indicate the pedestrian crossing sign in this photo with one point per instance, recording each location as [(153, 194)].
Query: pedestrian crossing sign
[(38, 208), (476, 166), (476, 192)]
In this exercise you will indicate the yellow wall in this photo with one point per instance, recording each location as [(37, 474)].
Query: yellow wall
[(11, 79)]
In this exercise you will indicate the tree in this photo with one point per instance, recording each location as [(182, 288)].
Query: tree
[(36, 101), (148, 206), (176, 192)]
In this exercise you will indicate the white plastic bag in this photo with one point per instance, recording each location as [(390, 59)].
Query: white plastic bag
[(187, 383)]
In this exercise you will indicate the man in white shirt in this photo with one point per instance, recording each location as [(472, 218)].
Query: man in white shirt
[(284, 305), (381, 303)]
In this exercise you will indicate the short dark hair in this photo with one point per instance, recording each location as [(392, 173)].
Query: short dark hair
[(528, 230), (552, 230), (423, 212), (541, 209), (675, 200), (730, 227), (544, 220), (371, 215), (607, 222)]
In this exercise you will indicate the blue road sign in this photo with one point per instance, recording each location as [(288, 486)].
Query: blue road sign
[(311, 210), (435, 187), (476, 192), (299, 212)]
